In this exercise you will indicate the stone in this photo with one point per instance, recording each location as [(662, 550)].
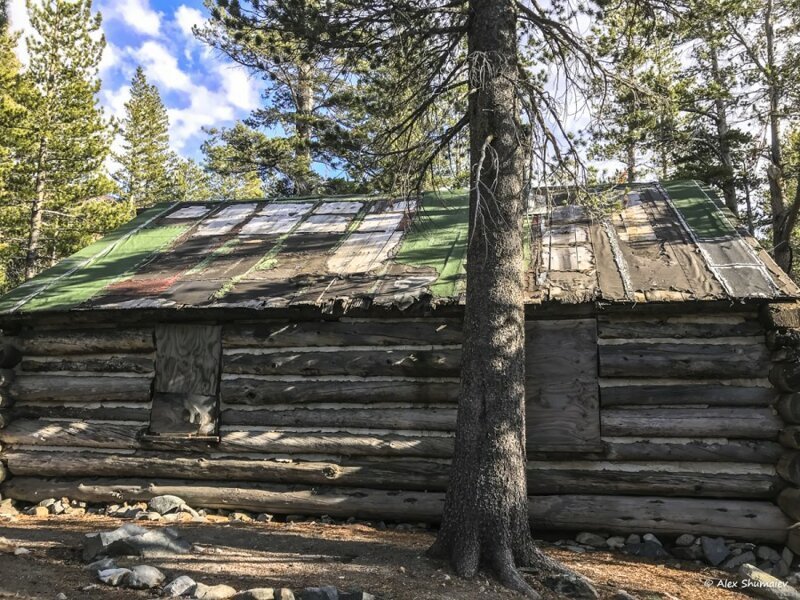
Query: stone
[(781, 570), (61, 596), (188, 509), (101, 565), (647, 549), (767, 553), (256, 594), (77, 512), (693, 552), (296, 518), (686, 539), (571, 586), (764, 585), (38, 511), (7, 508), (735, 562), (577, 549), (633, 539), (180, 586), (358, 595), (144, 577), (241, 516), (264, 517), (21, 551), (326, 592), (616, 542), (132, 540), (113, 577), (715, 550), (649, 537), (285, 594), (47, 502), (787, 556), (591, 539), (57, 508), (213, 592), (165, 504)]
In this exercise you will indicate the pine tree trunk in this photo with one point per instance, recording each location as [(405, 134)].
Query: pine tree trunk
[(721, 118), (485, 520), (630, 162), (37, 210), (305, 105)]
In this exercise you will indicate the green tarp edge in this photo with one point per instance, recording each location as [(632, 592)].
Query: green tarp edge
[(698, 210)]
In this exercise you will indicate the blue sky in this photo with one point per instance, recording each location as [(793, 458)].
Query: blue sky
[(199, 87)]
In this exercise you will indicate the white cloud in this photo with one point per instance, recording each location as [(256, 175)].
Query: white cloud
[(137, 14), (115, 100), (18, 16), (238, 87), (187, 17), (161, 67)]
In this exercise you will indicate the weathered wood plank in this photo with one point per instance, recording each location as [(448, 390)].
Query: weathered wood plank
[(679, 327), (373, 362), (132, 363), (342, 333), (743, 519), (689, 449), (67, 388), (790, 437), (32, 432), (748, 423), (339, 443), (561, 395), (88, 411), (683, 360), (441, 419), (789, 467), (253, 391), (188, 359), (758, 521), (712, 394), (86, 341), (789, 408)]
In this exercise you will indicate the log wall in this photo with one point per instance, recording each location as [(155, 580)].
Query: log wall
[(356, 417)]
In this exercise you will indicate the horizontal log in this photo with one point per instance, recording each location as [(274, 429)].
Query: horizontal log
[(363, 363), (9, 356), (85, 411), (679, 327), (789, 501), (756, 521), (85, 341), (425, 418), (683, 360), (550, 477), (348, 333), (338, 443), (131, 363), (32, 432), (786, 376), (257, 497), (681, 421), (789, 467), (788, 406), (712, 394), (690, 449), (790, 437), (248, 390), (69, 388)]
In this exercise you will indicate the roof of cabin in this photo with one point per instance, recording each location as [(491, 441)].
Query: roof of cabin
[(659, 242)]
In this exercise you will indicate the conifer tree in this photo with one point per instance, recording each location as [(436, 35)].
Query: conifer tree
[(69, 136), (144, 177)]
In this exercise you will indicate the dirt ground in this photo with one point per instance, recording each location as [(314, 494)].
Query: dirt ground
[(389, 564)]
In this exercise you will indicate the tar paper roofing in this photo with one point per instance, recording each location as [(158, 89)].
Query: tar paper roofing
[(659, 243)]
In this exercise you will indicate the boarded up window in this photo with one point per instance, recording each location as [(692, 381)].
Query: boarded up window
[(186, 389), (561, 388)]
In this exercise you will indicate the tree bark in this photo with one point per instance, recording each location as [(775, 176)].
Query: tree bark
[(37, 210), (485, 520), (304, 96), (721, 118)]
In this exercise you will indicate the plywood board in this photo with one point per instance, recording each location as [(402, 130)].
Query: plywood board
[(225, 220), (637, 224), (271, 224), (566, 235), (568, 258), (380, 222), (561, 389), (188, 359), (338, 208), (334, 223), (286, 209), (362, 252)]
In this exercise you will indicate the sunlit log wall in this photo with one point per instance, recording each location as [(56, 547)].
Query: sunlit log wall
[(356, 417)]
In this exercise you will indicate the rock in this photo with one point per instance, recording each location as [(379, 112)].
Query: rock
[(571, 586), (57, 508), (780, 570), (787, 556), (649, 537), (61, 596), (295, 518), (256, 594), (144, 577), (765, 586), (285, 594), (647, 549), (578, 549), (132, 540), (622, 595), (179, 517), (735, 562), (633, 539), (101, 565), (327, 592), (113, 577), (616, 542), (355, 596), (686, 539), (241, 516), (213, 592), (47, 502), (264, 517), (591, 539), (38, 511), (714, 549), (165, 504), (95, 544), (180, 586), (7, 508), (149, 516), (21, 551), (767, 553), (693, 552), (77, 512), (188, 509)]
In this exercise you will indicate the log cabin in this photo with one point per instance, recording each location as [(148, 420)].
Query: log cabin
[(301, 356)]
